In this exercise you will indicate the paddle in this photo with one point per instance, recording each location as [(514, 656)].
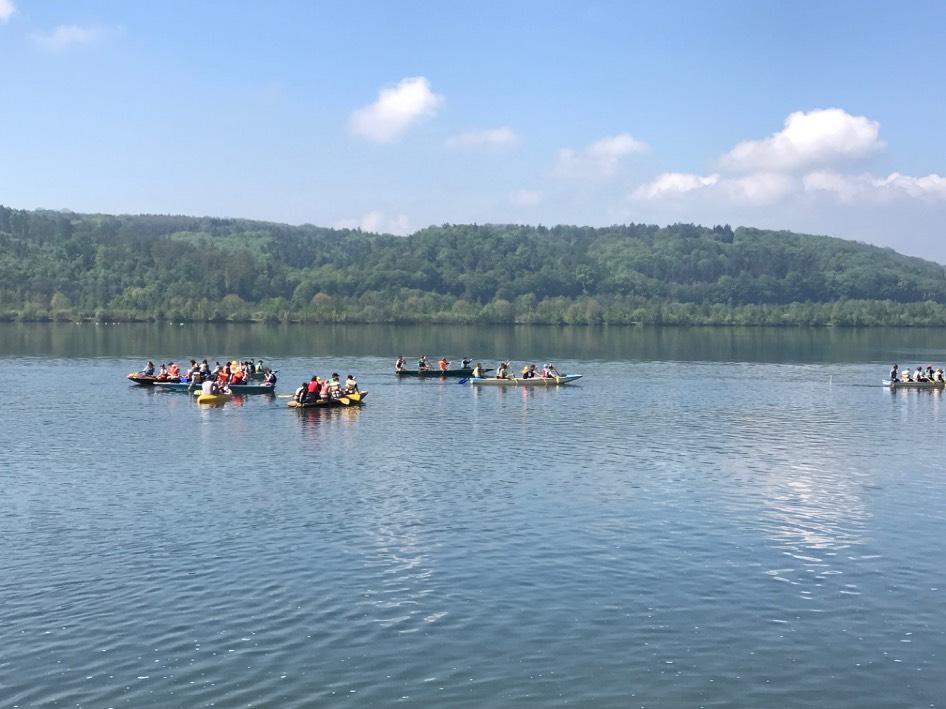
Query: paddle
[(464, 380)]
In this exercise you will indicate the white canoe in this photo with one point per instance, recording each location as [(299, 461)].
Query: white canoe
[(913, 385), (534, 382)]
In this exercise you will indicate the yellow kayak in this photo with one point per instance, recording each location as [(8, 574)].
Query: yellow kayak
[(212, 398)]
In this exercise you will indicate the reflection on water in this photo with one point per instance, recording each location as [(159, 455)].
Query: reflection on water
[(711, 518)]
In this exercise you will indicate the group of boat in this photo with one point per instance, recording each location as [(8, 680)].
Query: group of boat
[(477, 375), (220, 383)]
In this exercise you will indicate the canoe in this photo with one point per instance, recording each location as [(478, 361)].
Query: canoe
[(436, 373), (913, 385), (213, 398), (534, 382), (144, 380), (353, 400), (234, 388)]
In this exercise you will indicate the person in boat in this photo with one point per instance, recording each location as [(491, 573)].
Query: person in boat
[(905, 375), (918, 375), (423, 364), (334, 386), (174, 372), (444, 364), (163, 371), (313, 389), (399, 365), (237, 377), (502, 371), (477, 371), (299, 395), (259, 365), (270, 378), (148, 371), (208, 387), (204, 369), (351, 386), (528, 372), (929, 372), (894, 373), (552, 371), (466, 362)]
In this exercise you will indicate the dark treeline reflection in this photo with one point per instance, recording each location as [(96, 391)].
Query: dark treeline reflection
[(481, 342)]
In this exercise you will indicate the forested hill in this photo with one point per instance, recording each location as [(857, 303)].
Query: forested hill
[(66, 266)]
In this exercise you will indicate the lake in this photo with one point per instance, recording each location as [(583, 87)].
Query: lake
[(710, 517)]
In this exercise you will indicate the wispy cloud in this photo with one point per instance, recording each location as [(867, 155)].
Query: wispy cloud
[(7, 8), (669, 184), (849, 187), (525, 198), (598, 160), (396, 109), (491, 137), (819, 137), (65, 37), (756, 189), (377, 222)]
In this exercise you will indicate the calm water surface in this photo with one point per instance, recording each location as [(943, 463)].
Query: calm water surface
[(721, 518)]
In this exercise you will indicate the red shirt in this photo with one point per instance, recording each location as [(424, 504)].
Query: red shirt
[(314, 387)]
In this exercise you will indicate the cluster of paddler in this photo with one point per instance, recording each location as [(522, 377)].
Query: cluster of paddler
[(530, 373), (919, 378), (318, 392), (210, 385)]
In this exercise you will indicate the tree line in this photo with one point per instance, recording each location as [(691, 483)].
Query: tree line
[(66, 266)]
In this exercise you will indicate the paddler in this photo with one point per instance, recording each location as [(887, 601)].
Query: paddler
[(334, 385), (163, 372), (423, 364), (443, 364), (502, 371), (270, 378), (894, 373), (299, 396), (528, 372), (148, 371), (466, 362), (477, 371), (313, 389), (351, 386), (174, 372), (399, 365)]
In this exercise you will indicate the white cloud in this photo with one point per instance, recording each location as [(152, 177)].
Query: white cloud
[(500, 137), (64, 37), (759, 188), (669, 184), (849, 187), (377, 222), (396, 110), (598, 160), (819, 137), (7, 8), (525, 198)]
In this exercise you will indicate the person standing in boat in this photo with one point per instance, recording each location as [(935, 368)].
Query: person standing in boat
[(894, 373), (399, 365), (444, 364)]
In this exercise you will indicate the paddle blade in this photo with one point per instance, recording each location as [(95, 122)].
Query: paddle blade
[(464, 380)]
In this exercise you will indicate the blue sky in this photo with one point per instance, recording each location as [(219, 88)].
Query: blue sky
[(811, 116)]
